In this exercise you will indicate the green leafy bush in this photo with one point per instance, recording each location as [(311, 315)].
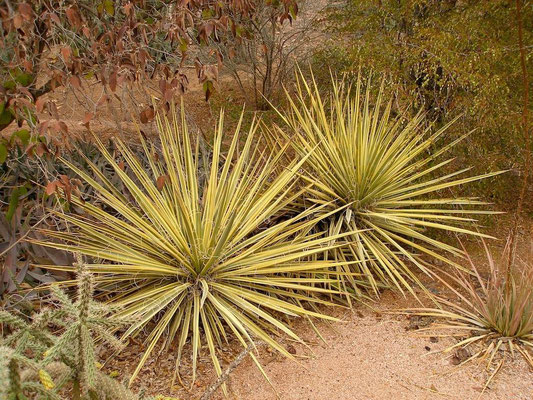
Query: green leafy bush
[(450, 58)]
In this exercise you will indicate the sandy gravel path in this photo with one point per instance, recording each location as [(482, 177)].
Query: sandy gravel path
[(376, 356)]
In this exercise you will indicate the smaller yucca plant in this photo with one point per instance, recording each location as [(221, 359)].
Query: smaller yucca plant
[(489, 315), (384, 173)]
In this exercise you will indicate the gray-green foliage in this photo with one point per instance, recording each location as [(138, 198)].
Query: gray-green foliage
[(36, 363)]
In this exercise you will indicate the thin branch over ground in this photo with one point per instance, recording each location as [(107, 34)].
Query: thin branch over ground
[(211, 389)]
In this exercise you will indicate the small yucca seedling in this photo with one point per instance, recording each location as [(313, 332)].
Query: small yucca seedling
[(200, 257), (36, 362), (489, 315), (383, 172)]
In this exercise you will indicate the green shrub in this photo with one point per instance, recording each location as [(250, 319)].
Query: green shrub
[(450, 58)]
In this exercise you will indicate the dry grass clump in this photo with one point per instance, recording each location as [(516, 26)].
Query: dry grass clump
[(490, 314)]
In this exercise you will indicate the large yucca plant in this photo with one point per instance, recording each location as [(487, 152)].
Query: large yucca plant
[(196, 250), (383, 171)]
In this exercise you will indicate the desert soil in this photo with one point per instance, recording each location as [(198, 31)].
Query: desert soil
[(373, 355)]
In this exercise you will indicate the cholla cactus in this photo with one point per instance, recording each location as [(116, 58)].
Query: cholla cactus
[(14, 364), (33, 361)]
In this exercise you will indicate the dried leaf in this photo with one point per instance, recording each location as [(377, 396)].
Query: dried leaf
[(40, 149), (113, 81), (161, 182), (55, 18), (17, 21), (73, 16), (75, 81), (51, 188), (40, 103), (66, 52), (87, 118), (147, 115)]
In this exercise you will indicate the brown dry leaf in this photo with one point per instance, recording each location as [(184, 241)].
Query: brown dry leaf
[(147, 115), (17, 21), (73, 16), (113, 81), (161, 182), (51, 188), (28, 66), (40, 103), (55, 18), (40, 149), (462, 354), (291, 349), (87, 118), (455, 360), (66, 52), (75, 81)]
